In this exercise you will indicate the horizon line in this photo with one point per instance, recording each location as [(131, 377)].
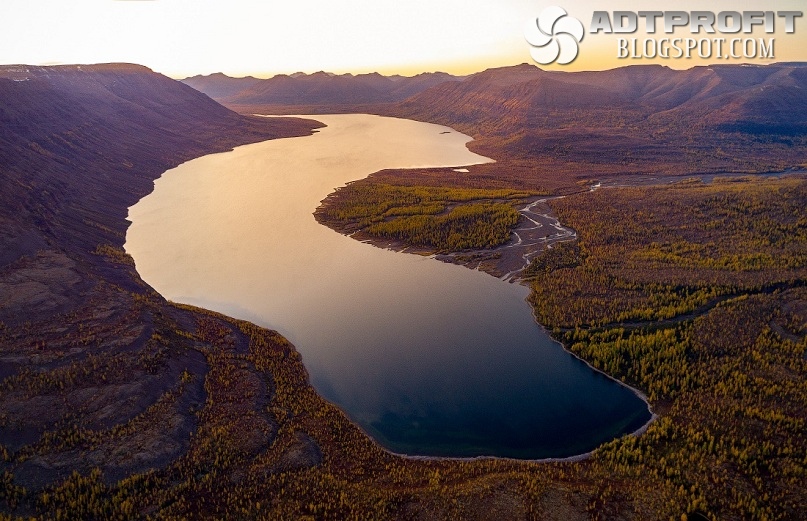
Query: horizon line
[(268, 75)]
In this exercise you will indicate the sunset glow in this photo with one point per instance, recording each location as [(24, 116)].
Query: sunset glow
[(240, 37)]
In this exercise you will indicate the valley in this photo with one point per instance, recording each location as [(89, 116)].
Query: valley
[(118, 404), (658, 260)]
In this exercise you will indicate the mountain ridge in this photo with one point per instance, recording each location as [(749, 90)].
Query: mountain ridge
[(642, 119), (53, 118), (319, 88), (634, 119), (657, 87)]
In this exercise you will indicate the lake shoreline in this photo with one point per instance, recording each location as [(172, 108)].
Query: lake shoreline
[(494, 271), (528, 418), (486, 260)]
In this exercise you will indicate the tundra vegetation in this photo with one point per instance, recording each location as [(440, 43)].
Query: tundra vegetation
[(693, 293), (718, 347), (115, 404)]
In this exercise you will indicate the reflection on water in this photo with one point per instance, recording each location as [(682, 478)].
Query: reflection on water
[(429, 358)]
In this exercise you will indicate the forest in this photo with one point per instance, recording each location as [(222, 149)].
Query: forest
[(440, 219), (694, 294), (718, 347), (116, 404)]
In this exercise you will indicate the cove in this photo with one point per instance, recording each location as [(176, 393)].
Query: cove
[(429, 358)]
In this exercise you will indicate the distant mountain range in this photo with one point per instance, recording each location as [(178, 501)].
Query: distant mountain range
[(638, 119), (742, 97), (642, 118), (320, 88), (764, 98)]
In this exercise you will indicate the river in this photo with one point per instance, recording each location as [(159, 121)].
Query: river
[(428, 358)]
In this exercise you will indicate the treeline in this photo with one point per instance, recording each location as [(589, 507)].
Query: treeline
[(654, 253), (694, 294), (730, 442), (439, 218), (480, 225), (246, 437)]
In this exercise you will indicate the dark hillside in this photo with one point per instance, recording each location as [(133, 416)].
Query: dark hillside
[(84, 344), (78, 145)]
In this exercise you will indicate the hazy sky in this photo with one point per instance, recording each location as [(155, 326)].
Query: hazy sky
[(264, 37)]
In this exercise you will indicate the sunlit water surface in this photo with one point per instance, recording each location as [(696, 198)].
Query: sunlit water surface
[(428, 358)]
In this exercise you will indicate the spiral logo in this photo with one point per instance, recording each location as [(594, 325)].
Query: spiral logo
[(553, 36)]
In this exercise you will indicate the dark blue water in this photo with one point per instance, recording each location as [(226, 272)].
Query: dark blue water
[(428, 358)]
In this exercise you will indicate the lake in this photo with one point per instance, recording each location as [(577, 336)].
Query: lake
[(428, 358)]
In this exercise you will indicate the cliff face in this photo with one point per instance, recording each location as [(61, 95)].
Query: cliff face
[(99, 371)]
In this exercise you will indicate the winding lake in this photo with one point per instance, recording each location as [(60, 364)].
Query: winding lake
[(428, 358)]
